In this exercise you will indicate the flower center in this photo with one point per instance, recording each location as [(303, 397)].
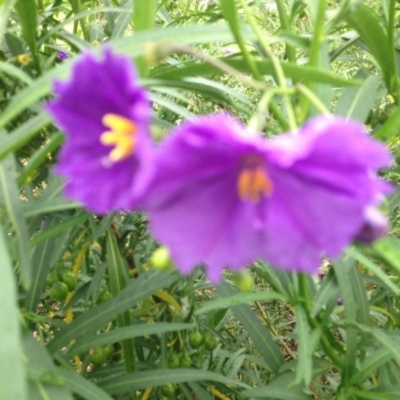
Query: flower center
[(121, 136), (253, 183)]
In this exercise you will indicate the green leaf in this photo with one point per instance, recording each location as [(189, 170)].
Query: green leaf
[(47, 254), (291, 70), (119, 334), (20, 136), (366, 22), (240, 298), (56, 229), (372, 362), (356, 102), (198, 390), (132, 46), (306, 347), (13, 383), (5, 8), (375, 269), (390, 128), (327, 295), (231, 14), (360, 295), (281, 388), (159, 377), (27, 12), (262, 339), (144, 286), (9, 194), (381, 395), (122, 21), (344, 276), (119, 278), (144, 14), (45, 381), (51, 200), (40, 259), (39, 158), (15, 72), (26, 98), (81, 386), (389, 250)]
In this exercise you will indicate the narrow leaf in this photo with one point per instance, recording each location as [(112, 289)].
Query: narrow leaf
[(262, 339), (119, 334), (145, 379), (240, 298), (9, 194), (5, 8), (356, 102), (281, 388), (119, 277), (13, 383), (144, 286)]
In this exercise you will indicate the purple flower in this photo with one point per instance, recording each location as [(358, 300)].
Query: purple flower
[(107, 156), (62, 55), (223, 197)]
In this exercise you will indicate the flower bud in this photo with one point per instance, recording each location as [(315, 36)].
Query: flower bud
[(161, 259), (244, 281), (375, 226), (154, 52), (24, 59)]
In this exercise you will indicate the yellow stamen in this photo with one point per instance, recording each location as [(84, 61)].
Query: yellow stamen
[(252, 183), (120, 135)]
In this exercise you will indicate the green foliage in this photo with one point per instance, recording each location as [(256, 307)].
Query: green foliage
[(83, 313)]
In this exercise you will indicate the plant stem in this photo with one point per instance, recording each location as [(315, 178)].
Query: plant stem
[(280, 76)]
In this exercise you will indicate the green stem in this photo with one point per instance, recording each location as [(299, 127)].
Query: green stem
[(144, 14), (280, 76), (238, 75), (232, 16), (314, 52), (305, 91), (391, 31), (257, 121), (285, 25)]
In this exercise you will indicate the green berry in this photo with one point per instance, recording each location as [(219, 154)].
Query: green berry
[(210, 341), (185, 361), (173, 361), (168, 390), (59, 290), (61, 271), (98, 356), (104, 297), (196, 340), (109, 349), (51, 279), (69, 279)]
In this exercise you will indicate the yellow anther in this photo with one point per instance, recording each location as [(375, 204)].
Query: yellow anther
[(253, 183), (121, 136)]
